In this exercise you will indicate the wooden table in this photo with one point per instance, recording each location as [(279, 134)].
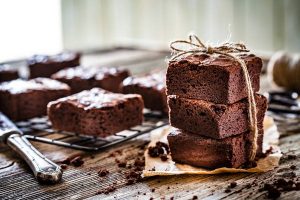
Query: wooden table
[(17, 182)]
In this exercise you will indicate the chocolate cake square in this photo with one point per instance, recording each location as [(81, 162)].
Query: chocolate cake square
[(21, 99), (199, 151), (214, 78), (213, 120), (96, 112), (45, 65), (7, 73), (80, 78), (151, 87)]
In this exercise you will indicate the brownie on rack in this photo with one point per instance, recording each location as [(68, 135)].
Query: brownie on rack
[(151, 87), (84, 78), (7, 73), (96, 112), (25, 99), (45, 65)]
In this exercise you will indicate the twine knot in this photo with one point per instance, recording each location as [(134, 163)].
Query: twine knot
[(195, 45)]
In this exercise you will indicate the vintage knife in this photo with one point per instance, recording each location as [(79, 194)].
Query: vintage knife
[(43, 169)]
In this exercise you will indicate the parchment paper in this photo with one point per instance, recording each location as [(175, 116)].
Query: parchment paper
[(165, 168)]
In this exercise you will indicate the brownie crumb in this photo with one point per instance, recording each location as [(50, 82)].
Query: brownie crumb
[(233, 184), (291, 157), (195, 197), (160, 149), (122, 164), (163, 157), (293, 167), (64, 166), (171, 198), (107, 190), (77, 161), (103, 172), (227, 190)]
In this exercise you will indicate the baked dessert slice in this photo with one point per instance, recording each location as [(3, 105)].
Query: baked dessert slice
[(7, 73), (151, 87), (45, 66), (80, 78), (214, 78), (213, 120), (22, 99), (193, 149), (96, 112)]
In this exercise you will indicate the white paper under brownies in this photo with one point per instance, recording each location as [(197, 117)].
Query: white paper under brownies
[(165, 168)]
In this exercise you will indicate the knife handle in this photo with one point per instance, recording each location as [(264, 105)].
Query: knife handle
[(44, 169)]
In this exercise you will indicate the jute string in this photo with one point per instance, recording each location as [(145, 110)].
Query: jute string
[(227, 49)]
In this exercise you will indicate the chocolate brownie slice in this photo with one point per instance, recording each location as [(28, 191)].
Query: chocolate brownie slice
[(80, 78), (214, 78), (96, 112), (193, 149), (151, 87), (213, 120), (21, 99), (7, 74), (45, 66)]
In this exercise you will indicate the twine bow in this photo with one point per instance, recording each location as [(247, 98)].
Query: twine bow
[(227, 49)]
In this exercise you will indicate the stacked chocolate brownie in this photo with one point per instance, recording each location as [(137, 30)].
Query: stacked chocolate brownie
[(208, 105)]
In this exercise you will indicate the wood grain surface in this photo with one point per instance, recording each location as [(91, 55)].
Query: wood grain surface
[(17, 181)]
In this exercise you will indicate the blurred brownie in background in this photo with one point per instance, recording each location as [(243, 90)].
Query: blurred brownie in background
[(96, 112), (7, 73), (84, 78), (151, 87), (22, 99), (45, 66)]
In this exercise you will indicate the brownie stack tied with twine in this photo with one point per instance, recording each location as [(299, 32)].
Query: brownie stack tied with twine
[(214, 105)]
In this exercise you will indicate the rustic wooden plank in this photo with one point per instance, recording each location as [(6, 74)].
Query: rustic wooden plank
[(17, 182)]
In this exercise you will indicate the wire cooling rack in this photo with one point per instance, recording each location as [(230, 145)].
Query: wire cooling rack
[(39, 129)]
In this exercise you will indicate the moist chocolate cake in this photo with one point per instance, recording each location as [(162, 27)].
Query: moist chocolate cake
[(80, 78), (7, 74), (151, 88), (96, 112), (213, 120), (214, 78), (45, 66), (21, 99), (193, 149)]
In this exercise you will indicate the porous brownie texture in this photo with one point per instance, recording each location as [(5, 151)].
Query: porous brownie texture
[(22, 99), (7, 73), (214, 78), (193, 149), (83, 78), (151, 87), (96, 112), (214, 120), (45, 66)]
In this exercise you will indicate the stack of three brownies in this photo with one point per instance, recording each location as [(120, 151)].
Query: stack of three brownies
[(208, 105)]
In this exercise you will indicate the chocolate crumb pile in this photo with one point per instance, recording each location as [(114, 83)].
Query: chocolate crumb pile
[(75, 161), (277, 186), (159, 150)]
